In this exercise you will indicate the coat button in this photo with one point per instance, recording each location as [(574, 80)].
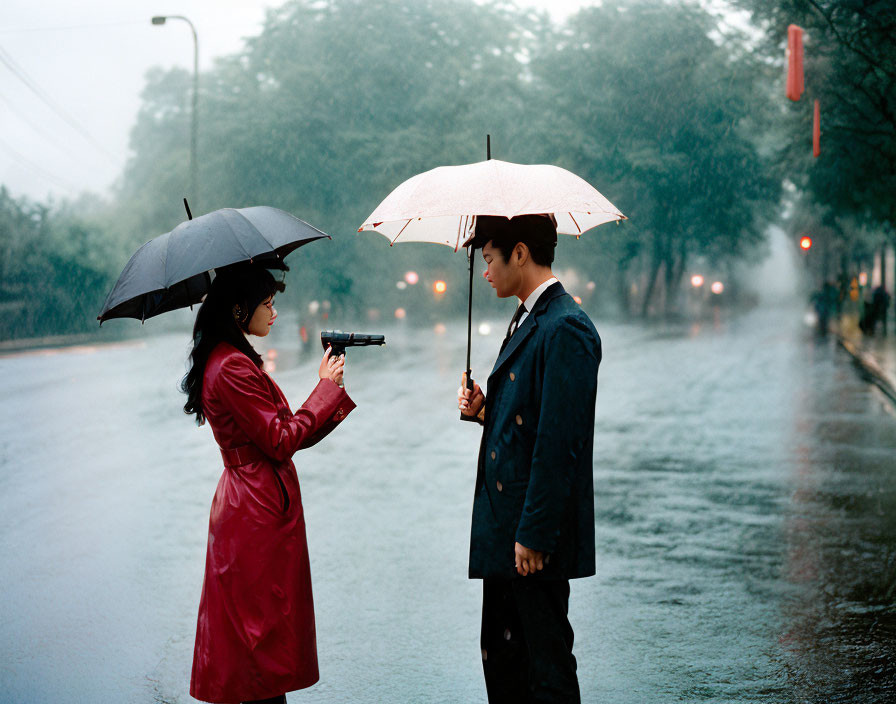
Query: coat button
[(519, 420), (500, 486), (512, 376), (494, 454)]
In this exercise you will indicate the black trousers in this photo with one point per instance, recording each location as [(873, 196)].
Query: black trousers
[(527, 641)]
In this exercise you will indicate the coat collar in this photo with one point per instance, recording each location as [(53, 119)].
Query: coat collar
[(529, 325)]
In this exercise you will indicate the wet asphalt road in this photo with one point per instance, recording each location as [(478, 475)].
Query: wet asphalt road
[(745, 481)]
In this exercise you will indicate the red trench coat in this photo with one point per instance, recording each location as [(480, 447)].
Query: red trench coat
[(255, 634)]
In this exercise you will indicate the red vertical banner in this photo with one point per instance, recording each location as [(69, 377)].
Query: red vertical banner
[(816, 131), (794, 62)]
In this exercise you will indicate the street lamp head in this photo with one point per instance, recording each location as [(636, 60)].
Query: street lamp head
[(159, 19)]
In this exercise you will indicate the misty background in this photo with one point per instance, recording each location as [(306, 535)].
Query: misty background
[(673, 110)]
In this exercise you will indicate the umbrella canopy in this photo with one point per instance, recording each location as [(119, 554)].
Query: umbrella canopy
[(174, 270), (439, 205)]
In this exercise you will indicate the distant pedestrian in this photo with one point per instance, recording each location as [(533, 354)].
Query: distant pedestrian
[(880, 304), (822, 310), (255, 635)]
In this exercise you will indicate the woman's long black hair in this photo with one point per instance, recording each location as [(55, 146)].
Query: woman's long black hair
[(244, 285)]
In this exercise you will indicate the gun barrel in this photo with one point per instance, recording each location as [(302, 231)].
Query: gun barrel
[(341, 340)]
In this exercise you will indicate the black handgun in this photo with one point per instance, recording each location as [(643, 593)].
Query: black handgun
[(340, 340)]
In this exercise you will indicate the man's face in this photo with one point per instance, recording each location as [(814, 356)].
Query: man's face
[(504, 277)]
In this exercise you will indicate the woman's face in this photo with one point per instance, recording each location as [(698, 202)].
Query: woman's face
[(263, 317)]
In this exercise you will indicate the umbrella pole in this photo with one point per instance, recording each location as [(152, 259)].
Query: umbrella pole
[(470, 318), (488, 155), (469, 331)]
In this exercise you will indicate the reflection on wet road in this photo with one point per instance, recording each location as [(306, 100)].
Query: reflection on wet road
[(746, 514), (744, 494)]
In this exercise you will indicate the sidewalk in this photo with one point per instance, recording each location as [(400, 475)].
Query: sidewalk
[(875, 355)]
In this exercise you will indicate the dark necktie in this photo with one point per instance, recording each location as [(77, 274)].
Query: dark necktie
[(514, 324)]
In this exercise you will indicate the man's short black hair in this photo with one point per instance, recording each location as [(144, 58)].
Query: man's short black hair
[(537, 232)]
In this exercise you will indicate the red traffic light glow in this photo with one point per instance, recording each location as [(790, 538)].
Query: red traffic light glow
[(805, 243)]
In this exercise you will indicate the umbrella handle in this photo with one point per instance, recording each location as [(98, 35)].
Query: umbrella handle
[(470, 383)]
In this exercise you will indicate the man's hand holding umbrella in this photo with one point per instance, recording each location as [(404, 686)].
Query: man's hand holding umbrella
[(471, 401)]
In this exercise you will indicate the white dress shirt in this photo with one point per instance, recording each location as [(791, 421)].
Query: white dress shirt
[(533, 299)]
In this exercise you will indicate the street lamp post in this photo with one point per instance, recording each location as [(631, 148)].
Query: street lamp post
[(194, 122)]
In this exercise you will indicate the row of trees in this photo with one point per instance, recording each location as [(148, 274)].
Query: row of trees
[(677, 118), (337, 102), (55, 267)]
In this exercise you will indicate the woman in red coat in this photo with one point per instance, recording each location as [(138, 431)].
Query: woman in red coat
[(255, 637)]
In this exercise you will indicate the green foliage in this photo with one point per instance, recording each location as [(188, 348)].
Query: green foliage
[(327, 110), (665, 117), (336, 102), (850, 68), (54, 269)]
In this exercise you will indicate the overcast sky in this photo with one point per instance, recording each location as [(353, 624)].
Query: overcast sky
[(85, 62)]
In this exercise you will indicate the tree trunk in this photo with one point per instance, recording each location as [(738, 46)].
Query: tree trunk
[(668, 273), (651, 284), (622, 290), (673, 281)]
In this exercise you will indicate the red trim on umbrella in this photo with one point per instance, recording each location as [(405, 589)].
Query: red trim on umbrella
[(400, 231)]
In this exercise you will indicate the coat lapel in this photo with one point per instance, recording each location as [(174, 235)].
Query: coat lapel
[(529, 325)]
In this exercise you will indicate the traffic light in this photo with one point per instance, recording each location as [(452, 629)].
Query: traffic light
[(805, 243)]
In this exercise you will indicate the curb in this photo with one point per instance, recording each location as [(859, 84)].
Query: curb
[(870, 368)]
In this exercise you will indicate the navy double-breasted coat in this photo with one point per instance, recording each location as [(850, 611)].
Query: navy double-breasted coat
[(534, 482)]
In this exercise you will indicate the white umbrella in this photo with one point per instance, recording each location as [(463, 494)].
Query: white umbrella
[(440, 205)]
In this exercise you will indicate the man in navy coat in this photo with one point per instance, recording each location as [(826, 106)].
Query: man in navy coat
[(533, 509)]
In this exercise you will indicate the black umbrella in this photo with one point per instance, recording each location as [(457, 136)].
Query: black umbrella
[(174, 270)]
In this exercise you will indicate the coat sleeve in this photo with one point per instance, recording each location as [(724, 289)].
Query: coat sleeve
[(343, 409), (243, 390), (566, 422)]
